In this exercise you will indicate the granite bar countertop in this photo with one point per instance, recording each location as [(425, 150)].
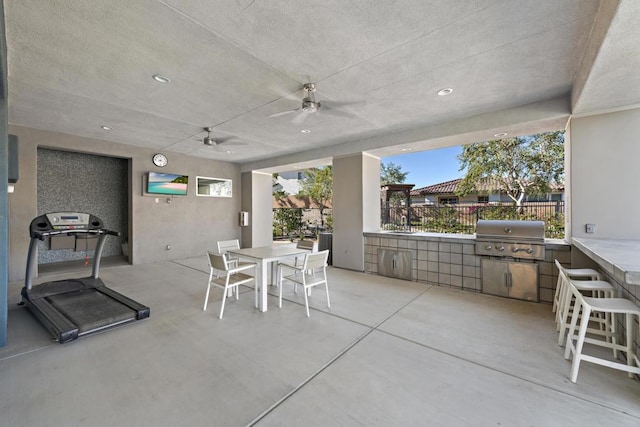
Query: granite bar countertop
[(620, 258)]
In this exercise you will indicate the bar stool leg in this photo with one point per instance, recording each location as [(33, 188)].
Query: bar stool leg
[(577, 356), (629, 343)]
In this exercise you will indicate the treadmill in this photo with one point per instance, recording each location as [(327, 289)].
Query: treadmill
[(72, 308)]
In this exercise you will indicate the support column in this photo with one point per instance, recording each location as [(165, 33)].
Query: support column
[(257, 200), (356, 207), (4, 179)]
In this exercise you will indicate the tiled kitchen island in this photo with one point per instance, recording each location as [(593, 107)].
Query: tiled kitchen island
[(450, 260)]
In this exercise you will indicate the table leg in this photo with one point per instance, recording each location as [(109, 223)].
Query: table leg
[(263, 272), (274, 273)]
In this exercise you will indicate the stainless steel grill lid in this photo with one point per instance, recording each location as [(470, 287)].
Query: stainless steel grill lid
[(522, 231)]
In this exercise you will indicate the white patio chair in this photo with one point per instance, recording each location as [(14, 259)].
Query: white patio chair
[(233, 277), (312, 272), (226, 245)]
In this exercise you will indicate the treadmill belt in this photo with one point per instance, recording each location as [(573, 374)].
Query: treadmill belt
[(89, 309)]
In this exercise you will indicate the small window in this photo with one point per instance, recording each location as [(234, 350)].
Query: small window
[(447, 200), (556, 197), (537, 198), (213, 187), (483, 199)]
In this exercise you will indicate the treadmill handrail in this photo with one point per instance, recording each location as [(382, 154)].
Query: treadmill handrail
[(41, 235)]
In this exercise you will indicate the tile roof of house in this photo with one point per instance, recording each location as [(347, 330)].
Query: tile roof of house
[(440, 188), (450, 187)]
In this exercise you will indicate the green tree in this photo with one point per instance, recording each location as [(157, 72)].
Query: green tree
[(317, 184), (286, 220), (390, 173), (519, 166)]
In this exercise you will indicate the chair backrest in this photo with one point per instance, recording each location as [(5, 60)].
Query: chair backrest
[(217, 261), (305, 244), (314, 260), (225, 245)]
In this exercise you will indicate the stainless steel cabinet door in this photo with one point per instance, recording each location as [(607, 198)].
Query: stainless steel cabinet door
[(394, 263), (510, 279), (495, 277), (524, 281)]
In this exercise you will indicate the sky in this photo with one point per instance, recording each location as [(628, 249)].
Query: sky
[(428, 167)]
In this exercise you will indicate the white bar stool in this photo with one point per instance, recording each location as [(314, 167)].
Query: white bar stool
[(572, 273), (611, 307), (596, 288), (565, 312)]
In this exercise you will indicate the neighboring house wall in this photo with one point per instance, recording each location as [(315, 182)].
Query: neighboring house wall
[(427, 196), (288, 185)]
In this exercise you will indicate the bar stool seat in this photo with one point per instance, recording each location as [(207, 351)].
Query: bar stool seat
[(612, 307), (572, 273)]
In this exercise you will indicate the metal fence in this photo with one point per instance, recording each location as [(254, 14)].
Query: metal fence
[(289, 223), (462, 218)]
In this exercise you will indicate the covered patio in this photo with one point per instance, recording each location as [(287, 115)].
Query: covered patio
[(388, 352)]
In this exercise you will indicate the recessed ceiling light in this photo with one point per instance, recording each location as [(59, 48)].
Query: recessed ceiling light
[(228, 151), (501, 134), (444, 92), (407, 149), (161, 79), (105, 127), (305, 131)]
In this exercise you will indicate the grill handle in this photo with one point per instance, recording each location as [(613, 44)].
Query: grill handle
[(527, 250)]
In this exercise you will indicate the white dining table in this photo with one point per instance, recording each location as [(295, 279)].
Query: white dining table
[(264, 255)]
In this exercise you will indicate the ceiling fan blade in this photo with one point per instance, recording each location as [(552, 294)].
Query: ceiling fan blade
[(334, 104), (283, 113), (335, 112), (229, 141), (300, 117)]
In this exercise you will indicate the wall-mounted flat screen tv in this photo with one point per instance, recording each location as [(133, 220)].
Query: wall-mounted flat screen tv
[(167, 183)]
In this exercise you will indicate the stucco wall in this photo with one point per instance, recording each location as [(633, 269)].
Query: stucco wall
[(604, 153), (189, 224)]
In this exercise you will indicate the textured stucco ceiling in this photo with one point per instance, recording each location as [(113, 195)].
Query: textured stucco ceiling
[(515, 66)]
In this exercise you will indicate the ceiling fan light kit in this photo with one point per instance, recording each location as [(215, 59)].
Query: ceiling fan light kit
[(208, 140)]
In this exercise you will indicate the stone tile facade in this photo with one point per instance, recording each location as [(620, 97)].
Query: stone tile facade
[(449, 260)]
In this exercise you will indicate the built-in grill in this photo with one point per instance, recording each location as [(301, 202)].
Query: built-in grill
[(505, 238), (520, 244)]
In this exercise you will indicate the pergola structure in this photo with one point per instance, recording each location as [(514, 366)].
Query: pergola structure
[(388, 190)]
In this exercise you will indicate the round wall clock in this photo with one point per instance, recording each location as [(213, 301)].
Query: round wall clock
[(160, 160)]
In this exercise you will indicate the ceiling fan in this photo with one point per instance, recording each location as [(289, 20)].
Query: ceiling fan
[(311, 106), (214, 142)]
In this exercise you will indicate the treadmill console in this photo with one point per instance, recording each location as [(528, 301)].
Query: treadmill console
[(64, 222), (68, 220)]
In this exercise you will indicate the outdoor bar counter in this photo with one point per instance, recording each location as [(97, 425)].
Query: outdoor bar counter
[(619, 258)]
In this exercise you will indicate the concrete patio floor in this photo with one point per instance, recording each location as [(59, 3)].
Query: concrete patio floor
[(388, 352)]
